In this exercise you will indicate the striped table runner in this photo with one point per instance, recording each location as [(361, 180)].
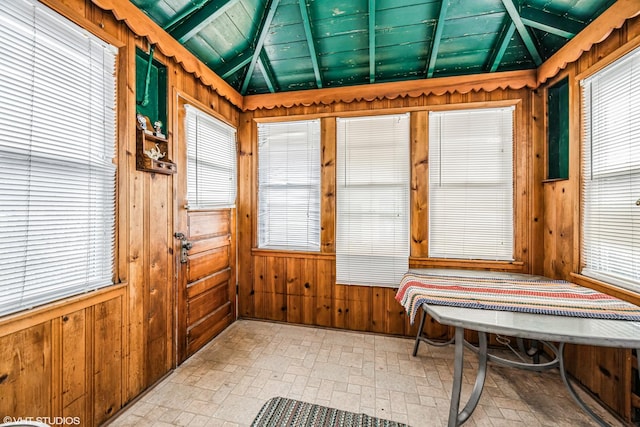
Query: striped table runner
[(557, 297)]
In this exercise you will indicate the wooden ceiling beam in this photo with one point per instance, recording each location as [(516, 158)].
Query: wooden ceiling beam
[(310, 42), (550, 23), (262, 35), (522, 30), (372, 41), (233, 66), (267, 73), (501, 46), (200, 19), (435, 44)]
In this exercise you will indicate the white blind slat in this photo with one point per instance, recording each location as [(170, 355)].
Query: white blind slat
[(57, 144), (211, 161), (611, 171), (372, 209), (289, 185), (471, 184)]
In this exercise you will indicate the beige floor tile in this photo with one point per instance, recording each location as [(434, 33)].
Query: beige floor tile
[(226, 383)]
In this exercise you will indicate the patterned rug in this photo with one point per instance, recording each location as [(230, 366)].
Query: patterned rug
[(556, 297), (283, 412)]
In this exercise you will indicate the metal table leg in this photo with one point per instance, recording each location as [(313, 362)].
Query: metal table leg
[(419, 336), (572, 392), (458, 418)]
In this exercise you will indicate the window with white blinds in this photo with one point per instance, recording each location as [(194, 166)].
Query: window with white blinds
[(611, 173), (57, 141), (471, 184), (372, 218), (289, 185), (211, 161)]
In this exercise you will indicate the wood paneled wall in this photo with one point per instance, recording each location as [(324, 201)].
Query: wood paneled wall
[(87, 356), (300, 287), (606, 372)]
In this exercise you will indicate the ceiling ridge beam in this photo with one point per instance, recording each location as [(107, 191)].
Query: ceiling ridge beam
[(549, 22), (262, 35), (503, 42), (200, 18), (522, 30), (435, 44), (267, 73), (372, 41), (306, 22)]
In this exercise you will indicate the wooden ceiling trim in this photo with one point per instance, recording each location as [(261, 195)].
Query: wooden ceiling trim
[(143, 26), (612, 18), (392, 90)]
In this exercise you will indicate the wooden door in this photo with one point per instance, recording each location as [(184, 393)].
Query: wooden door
[(205, 254), (206, 278)]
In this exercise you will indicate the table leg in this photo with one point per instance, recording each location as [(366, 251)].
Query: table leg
[(572, 392), (458, 418)]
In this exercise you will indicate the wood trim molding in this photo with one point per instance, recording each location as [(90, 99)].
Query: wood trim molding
[(392, 90), (612, 19), (143, 26), (512, 266), (27, 318), (291, 254), (606, 288)]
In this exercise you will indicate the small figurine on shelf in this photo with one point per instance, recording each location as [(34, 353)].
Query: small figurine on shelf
[(142, 121), (157, 126), (154, 153)]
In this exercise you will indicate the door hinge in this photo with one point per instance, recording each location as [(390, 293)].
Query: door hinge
[(237, 289)]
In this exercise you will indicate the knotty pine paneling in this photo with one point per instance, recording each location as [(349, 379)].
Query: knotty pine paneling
[(88, 356), (604, 371), (269, 282)]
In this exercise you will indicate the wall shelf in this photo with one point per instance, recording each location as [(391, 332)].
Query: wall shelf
[(146, 140)]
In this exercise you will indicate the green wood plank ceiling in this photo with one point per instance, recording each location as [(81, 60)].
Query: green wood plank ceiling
[(268, 46)]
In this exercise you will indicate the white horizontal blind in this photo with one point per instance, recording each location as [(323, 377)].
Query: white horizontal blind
[(57, 140), (211, 161), (372, 180), (471, 184), (289, 185), (611, 173)]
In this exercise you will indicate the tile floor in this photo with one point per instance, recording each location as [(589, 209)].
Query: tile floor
[(227, 382)]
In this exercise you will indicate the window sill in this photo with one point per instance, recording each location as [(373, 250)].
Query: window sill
[(474, 264), (280, 253), (24, 319), (606, 288)]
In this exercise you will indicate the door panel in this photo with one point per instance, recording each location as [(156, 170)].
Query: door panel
[(206, 279)]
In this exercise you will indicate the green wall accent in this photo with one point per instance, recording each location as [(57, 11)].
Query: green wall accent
[(156, 109), (558, 130)]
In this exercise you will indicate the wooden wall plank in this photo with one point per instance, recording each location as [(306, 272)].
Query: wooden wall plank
[(74, 365), (328, 185), (419, 184), (107, 393), (25, 372)]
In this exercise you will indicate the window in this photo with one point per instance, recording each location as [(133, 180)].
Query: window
[(471, 184), (57, 141), (211, 161), (372, 180), (289, 185), (611, 173)]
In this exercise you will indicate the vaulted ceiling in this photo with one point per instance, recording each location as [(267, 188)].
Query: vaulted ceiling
[(267, 46)]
